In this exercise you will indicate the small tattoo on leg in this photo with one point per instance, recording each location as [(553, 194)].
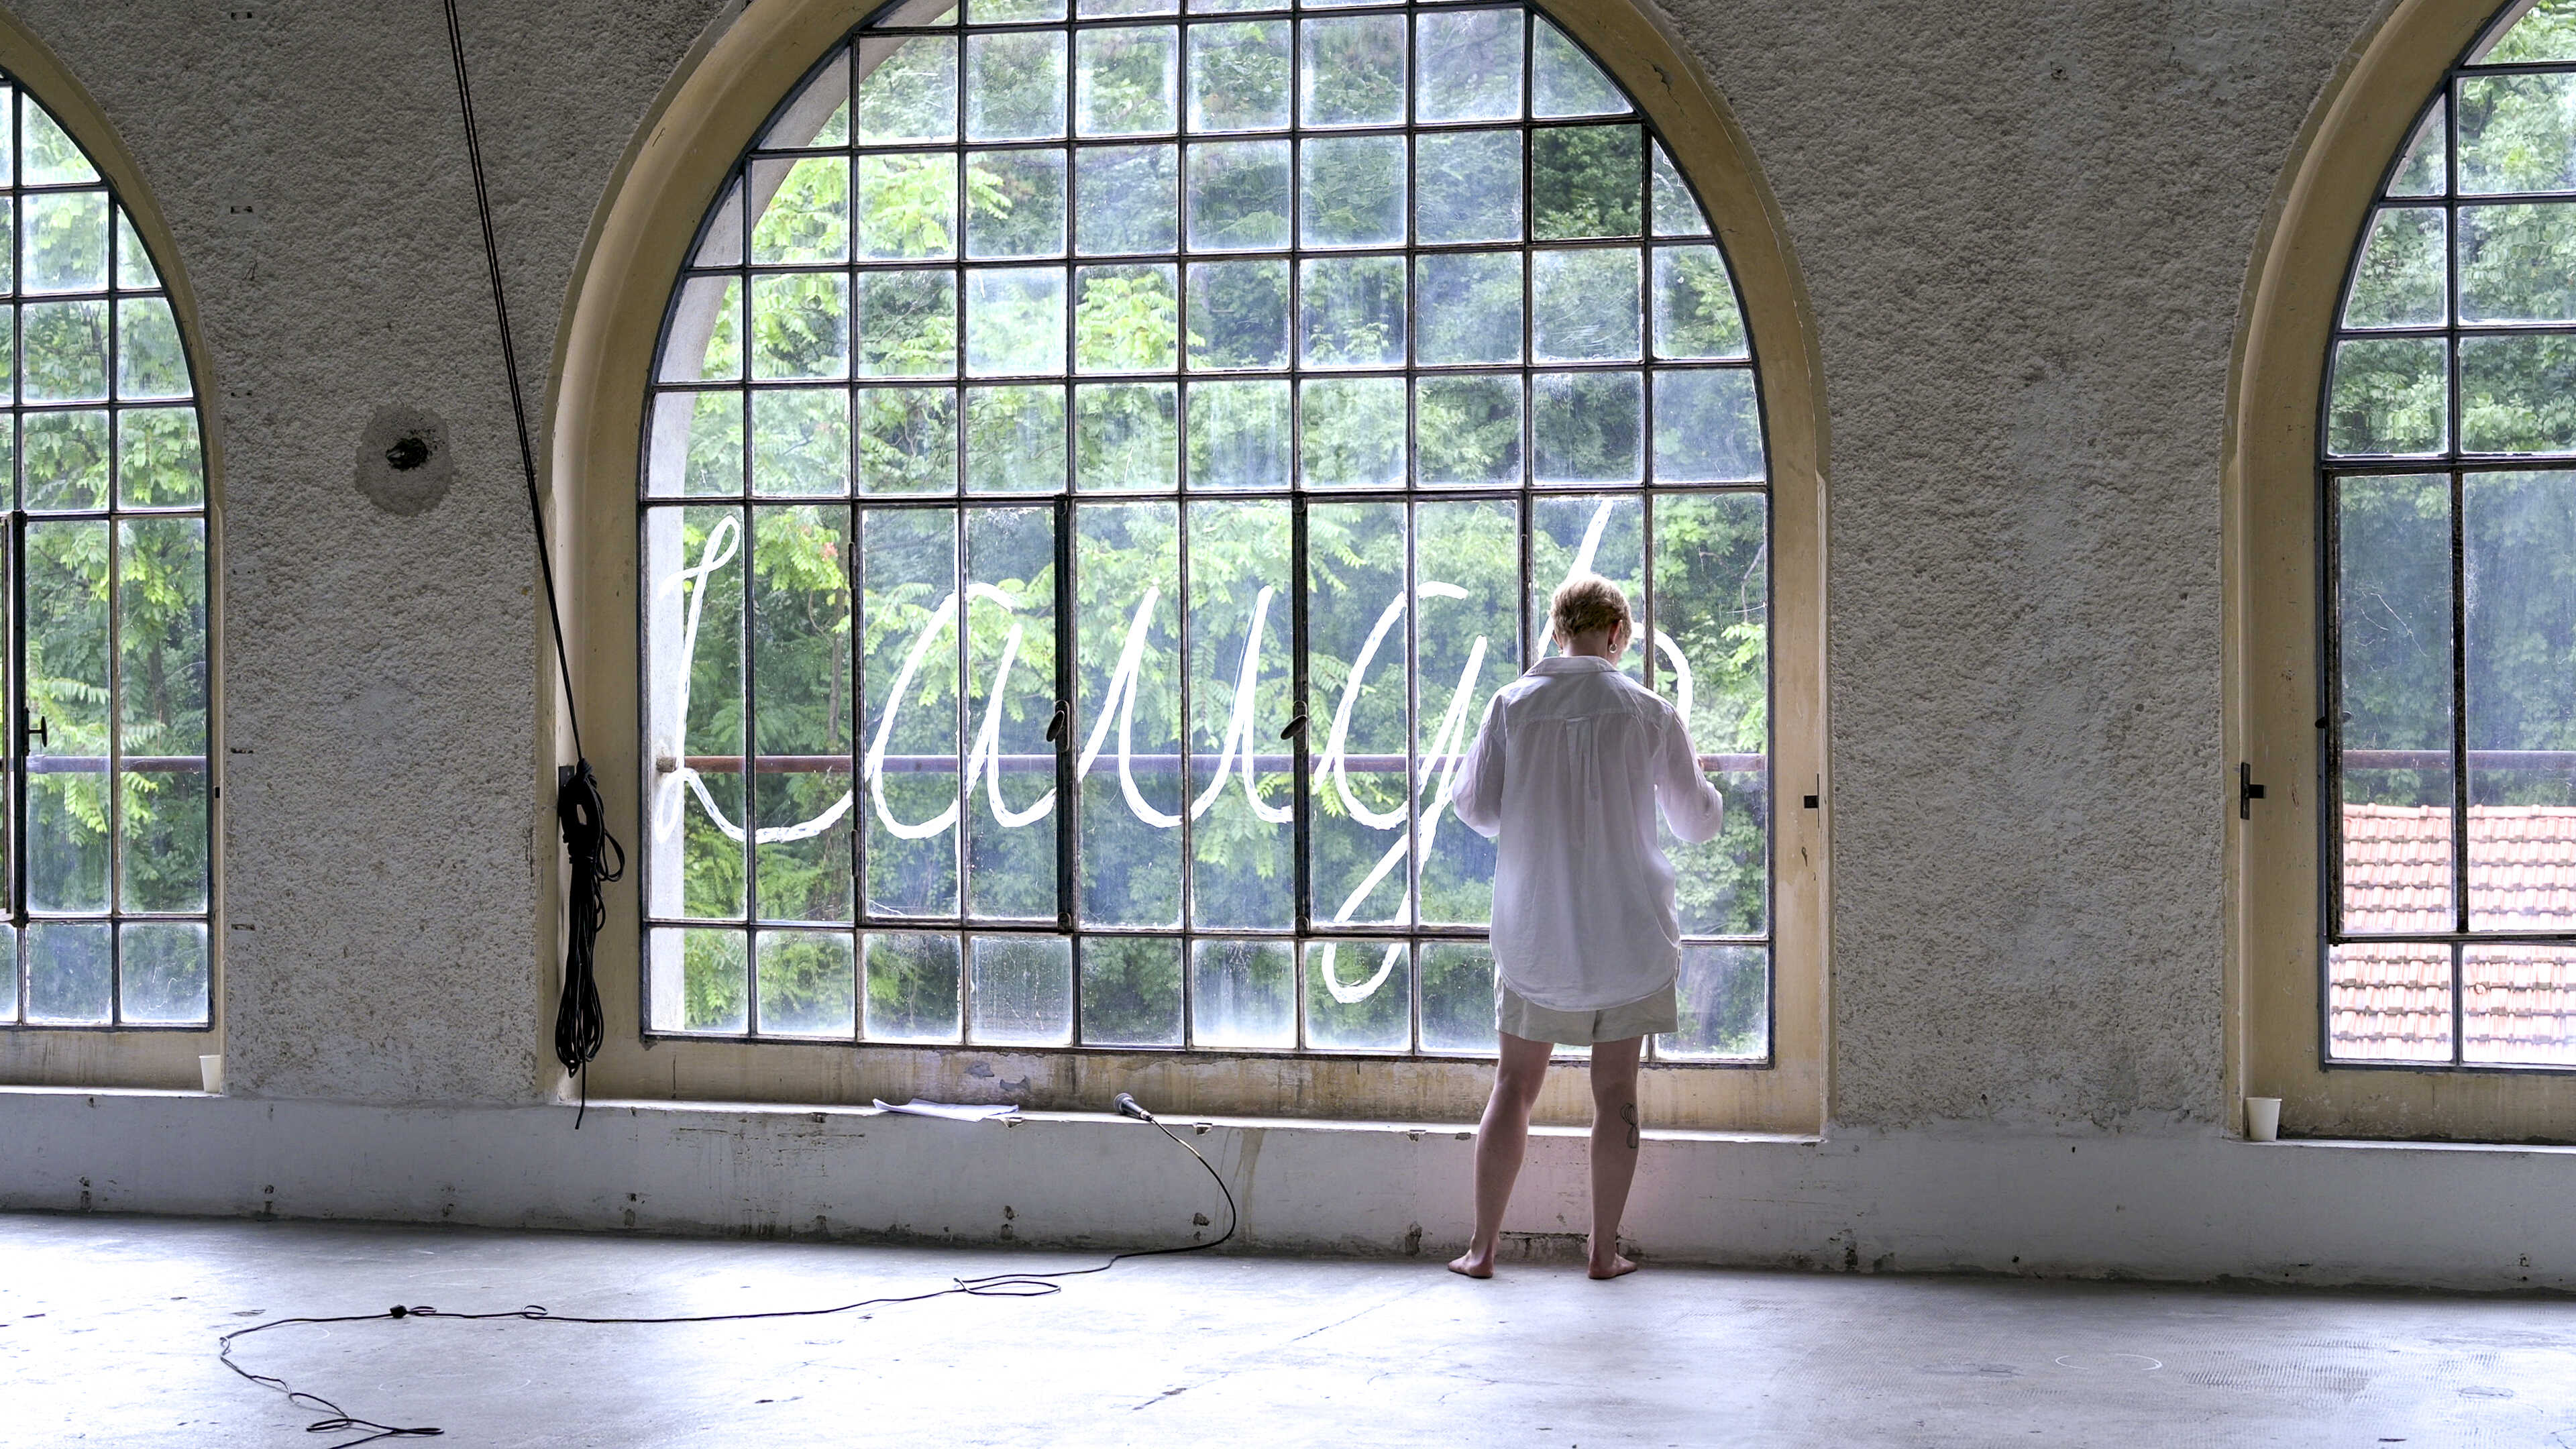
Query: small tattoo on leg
[(1628, 1114)]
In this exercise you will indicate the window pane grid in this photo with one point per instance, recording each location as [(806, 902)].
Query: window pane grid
[(1221, 371), (107, 780)]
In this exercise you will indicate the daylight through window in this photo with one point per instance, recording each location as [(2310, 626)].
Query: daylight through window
[(108, 822), (1099, 468)]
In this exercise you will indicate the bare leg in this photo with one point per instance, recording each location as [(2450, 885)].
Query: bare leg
[(1614, 1148), (1501, 1140)]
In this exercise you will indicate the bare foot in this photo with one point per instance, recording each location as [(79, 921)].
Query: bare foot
[(1617, 1267), (1472, 1264)]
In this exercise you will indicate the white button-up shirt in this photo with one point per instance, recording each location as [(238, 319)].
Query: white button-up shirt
[(1566, 772)]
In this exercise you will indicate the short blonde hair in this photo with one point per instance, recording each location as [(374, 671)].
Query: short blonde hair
[(1585, 604)]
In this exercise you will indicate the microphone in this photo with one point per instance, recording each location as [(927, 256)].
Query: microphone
[(1127, 1107)]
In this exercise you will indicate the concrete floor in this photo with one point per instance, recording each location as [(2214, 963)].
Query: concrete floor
[(107, 1330)]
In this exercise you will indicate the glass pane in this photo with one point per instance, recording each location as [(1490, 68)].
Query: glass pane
[(1352, 434), (806, 985), (158, 460), (908, 612), (1125, 201), (1239, 76), (64, 351), (1023, 991), (1358, 661), (1695, 311), (801, 210), (1469, 431), (1359, 996), (1584, 305), (67, 692), (1467, 187), (1015, 203), (1712, 659), (1239, 433), (162, 714), (1351, 311), (162, 972), (1458, 998), (2517, 264), (1127, 437), (134, 269), (9, 976), (51, 158), (1604, 535), (800, 326), (1353, 73), (907, 440), (1124, 82), (2388, 1002), (2393, 632), (1015, 86), (907, 206), (1243, 847), (698, 982), (70, 972), (1238, 195), (1011, 628), (1128, 710), (907, 90), (693, 655), (801, 714), (704, 340), (65, 235), (1468, 65), (1015, 439), (697, 445), (1677, 212), (913, 983), (1243, 994), (1131, 991), (1353, 191), (2515, 394), (2388, 398), (2541, 31), (722, 243), (2515, 134), (2518, 534), (1008, 12), (1587, 427), (1468, 308), (1238, 314), (1014, 321), (1725, 1006), (1467, 645), (907, 323), (1126, 319), (1566, 82), (66, 460), (820, 113), (2519, 1004), (1708, 427), (800, 442), (1585, 181)]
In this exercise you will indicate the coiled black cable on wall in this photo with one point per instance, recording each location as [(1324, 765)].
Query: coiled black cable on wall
[(597, 858)]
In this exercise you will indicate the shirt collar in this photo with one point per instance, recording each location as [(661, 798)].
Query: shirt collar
[(1572, 664)]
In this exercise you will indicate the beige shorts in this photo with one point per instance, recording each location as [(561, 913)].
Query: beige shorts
[(1648, 1015)]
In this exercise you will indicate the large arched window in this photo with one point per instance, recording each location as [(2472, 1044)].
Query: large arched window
[(108, 791), (1097, 468)]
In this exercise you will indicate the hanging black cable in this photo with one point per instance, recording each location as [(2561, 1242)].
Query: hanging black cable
[(597, 858), (993, 1285)]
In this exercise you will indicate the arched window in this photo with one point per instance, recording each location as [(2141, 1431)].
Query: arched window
[(2449, 477), (109, 799), (1097, 468)]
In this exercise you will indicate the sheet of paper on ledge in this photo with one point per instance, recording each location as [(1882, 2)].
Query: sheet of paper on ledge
[(953, 1111)]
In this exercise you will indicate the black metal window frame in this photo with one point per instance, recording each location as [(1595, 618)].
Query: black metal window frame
[(733, 196), (17, 763)]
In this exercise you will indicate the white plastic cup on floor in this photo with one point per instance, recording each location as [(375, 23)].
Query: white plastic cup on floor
[(2262, 1119), (211, 1070)]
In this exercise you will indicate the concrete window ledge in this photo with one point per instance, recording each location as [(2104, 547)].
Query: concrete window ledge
[(2373, 1144)]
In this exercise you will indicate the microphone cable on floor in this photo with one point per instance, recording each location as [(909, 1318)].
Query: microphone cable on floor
[(337, 1420)]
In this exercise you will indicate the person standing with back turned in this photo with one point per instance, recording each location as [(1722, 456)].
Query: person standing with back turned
[(1565, 773)]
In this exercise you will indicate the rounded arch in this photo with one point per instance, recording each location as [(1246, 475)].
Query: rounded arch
[(730, 87)]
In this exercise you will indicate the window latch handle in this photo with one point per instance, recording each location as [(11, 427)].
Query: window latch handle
[(36, 732), (1057, 727), (2247, 792), (1295, 727)]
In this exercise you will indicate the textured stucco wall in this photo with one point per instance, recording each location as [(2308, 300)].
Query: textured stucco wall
[(2025, 227)]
